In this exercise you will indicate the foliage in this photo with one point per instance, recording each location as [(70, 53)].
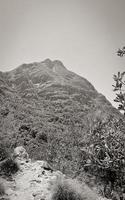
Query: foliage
[(8, 167), (121, 52), (119, 87), (105, 154), (68, 189), (7, 164), (56, 131)]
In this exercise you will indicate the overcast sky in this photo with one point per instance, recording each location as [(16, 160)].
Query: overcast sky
[(83, 34)]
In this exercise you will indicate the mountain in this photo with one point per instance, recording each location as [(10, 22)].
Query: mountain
[(51, 81), (55, 113)]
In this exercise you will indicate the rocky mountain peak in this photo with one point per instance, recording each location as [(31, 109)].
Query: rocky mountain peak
[(58, 67), (58, 63), (44, 73), (48, 63)]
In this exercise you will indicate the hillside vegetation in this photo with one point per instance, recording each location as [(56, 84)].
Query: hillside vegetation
[(59, 116)]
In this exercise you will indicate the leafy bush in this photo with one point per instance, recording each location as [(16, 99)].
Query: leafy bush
[(8, 167), (119, 89), (119, 86), (7, 164), (105, 152), (68, 189)]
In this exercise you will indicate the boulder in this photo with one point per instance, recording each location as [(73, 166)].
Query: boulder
[(21, 156)]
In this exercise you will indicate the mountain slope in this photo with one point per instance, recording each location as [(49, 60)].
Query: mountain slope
[(53, 112), (50, 80), (47, 95)]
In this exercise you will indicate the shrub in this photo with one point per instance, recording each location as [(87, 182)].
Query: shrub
[(42, 137), (70, 189), (8, 167), (3, 152), (105, 152), (2, 191)]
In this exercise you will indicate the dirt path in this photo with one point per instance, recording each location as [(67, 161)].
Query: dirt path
[(32, 182)]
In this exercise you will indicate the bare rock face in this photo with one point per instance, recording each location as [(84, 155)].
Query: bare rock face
[(21, 156)]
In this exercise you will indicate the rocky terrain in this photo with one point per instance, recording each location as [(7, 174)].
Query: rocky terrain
[(35, 180)]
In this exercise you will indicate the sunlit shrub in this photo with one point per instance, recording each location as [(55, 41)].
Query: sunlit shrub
[(70, 189)]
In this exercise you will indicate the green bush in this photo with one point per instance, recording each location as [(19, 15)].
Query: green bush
[(70, 189), (105, 152), (8, 167)]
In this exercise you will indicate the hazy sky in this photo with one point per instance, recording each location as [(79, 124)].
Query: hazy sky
[(83, 34)]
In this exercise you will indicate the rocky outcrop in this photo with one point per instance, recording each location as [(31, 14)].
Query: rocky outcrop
[(35, 180)]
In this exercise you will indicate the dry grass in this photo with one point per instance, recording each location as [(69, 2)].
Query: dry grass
[(70, 189), (2, 191)]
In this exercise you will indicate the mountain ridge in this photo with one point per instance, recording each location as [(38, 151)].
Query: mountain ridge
[(45, 74), (54, 69), (37, 82)]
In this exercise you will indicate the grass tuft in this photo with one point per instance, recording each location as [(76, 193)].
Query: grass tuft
[(2, 190), (70, 189)]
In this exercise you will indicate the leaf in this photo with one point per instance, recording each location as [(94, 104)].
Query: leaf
[(116, 100), (120, 107), (115, 89), (122, 74), (119, 74), (115, 77), (117, 84), (120, 52)]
